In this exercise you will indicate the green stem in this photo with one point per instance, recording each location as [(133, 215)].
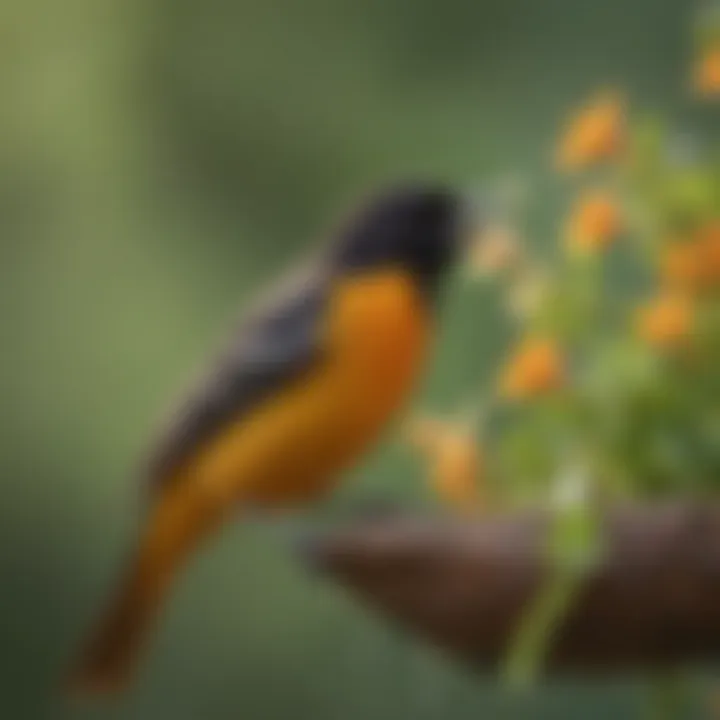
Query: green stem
[(538, 625)]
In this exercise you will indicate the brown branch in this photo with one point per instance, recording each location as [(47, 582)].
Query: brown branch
[(463, 584)]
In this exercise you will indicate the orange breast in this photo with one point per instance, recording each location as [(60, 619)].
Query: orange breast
[(295, 445)]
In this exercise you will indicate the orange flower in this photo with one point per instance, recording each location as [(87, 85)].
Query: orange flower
[(710, 243), (596, 133), (536, 368), (706, 74), (594, 223), (666, 322), (682, 265), (694, 265), (455, 472), (454, 458)]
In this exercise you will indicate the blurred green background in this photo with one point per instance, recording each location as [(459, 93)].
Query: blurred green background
[(159, 161)]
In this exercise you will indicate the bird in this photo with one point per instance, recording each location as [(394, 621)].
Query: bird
[(312, 374)]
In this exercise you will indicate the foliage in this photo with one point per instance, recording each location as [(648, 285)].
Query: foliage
[(610, 391)]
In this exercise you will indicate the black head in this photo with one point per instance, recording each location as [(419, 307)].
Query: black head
[(415, 228)]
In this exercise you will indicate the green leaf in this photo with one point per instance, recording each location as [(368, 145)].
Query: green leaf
[(688, 196)]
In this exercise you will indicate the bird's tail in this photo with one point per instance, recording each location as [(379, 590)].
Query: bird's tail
[(180, 520)]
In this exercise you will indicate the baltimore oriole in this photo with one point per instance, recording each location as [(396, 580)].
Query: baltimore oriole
[(309, 381)]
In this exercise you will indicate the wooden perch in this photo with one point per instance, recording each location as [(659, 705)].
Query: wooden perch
[(462, 585)]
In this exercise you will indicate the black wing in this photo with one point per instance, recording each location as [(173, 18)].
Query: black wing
[(273, 345)]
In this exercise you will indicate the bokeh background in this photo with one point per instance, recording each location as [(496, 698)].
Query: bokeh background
[(159, 161)]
